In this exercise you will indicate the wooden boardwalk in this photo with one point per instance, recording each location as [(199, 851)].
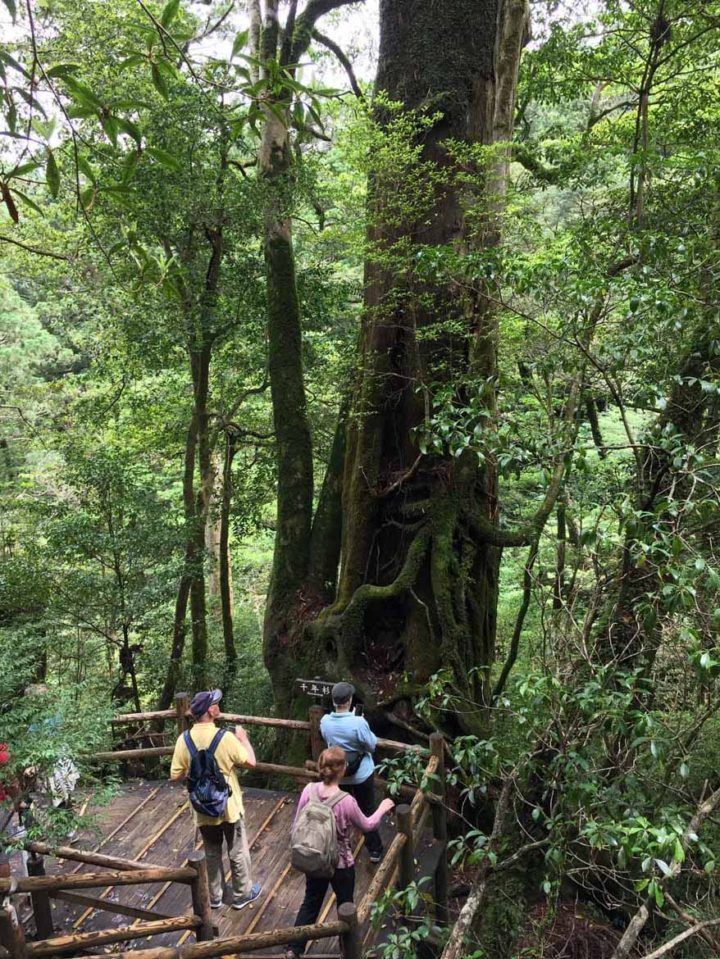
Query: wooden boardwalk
[(151, 821)]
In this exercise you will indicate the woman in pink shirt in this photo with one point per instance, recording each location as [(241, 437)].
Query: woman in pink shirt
[(332, 766)]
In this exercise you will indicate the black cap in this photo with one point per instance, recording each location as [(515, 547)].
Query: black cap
[(341, 692), (201, 702)]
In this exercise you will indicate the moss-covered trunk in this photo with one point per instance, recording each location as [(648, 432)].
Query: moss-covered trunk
[(417, 589)]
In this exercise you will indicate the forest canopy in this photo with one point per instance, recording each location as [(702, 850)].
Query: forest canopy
[(394, 360)]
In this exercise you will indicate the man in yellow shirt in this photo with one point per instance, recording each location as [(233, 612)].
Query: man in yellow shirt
[(231, 751)]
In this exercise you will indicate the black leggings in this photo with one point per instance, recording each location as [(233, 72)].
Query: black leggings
[(343, 885)]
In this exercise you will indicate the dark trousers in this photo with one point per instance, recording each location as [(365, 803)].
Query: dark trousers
[(364, 793), (343, 885)]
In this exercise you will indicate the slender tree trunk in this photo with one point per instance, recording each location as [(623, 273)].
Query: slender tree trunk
[(213, 534), (177, 646), (226, 601), (633, 635), (326, 539), (288, 598), (292, 431)]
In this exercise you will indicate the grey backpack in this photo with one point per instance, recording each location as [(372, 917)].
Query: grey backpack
[(313, 843)]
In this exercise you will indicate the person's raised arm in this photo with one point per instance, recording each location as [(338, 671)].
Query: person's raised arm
[(366, 736), (242, 737)]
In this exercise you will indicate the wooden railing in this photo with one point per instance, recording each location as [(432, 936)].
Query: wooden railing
[(397, 864), (121, 872), (181, 716)]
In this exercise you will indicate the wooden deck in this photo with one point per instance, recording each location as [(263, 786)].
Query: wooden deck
[(152, 822)]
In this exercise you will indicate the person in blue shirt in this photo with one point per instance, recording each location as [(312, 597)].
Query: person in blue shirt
[(353, 734)]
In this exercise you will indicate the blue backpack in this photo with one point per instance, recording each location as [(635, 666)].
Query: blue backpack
[(208, 788)]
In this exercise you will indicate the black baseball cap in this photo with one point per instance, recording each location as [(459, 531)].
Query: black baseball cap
[(341, 692), (201, 702)]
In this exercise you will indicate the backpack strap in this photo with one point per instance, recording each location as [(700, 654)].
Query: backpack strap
[(215, 741), (334, 800), (328, 803), (191, 747)]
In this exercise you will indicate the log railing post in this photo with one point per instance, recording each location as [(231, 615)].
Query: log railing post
[(439, 815), (200, 892), (317, 743), (42, 909), (407, 852), (11, 932), (182, 704), (350, 941)]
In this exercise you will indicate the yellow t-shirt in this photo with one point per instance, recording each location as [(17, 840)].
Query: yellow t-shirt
[(229, 754)]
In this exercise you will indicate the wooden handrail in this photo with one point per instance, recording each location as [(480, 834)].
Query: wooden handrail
[(120, 755), (92, 880), (298, 725), (162, 714), (237, 944), (382, 876), (80, 940), (80, 855)]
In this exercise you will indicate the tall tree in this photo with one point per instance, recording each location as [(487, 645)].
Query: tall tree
[(419, 566)]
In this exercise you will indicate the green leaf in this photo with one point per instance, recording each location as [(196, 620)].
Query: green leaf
[(12, 62), (110, 126), (170, 11), (164, 158), (664, 868), (24, 168), (132, 130), (82, 93), (239, 42), (31, 203), (159, 81), (52, 174), (132, 61), (85, 168), (63, 70)]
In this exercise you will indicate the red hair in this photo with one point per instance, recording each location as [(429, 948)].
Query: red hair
[(331, 764)]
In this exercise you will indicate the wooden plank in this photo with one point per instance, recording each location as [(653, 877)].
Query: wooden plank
[(107, 905), (83, 940), (251, 843), (131, 815), (148, 845)]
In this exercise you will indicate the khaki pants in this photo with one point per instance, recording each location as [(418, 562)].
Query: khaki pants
[(238, 852)]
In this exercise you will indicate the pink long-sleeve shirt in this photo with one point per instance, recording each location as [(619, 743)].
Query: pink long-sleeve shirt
[(347, 814)]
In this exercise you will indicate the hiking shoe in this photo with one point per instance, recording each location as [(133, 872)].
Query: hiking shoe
[(254, 893), (376, 857), (216, 903)]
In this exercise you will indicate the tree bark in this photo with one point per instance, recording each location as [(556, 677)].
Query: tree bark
[(226, 598), (417, 588), (289, 588)]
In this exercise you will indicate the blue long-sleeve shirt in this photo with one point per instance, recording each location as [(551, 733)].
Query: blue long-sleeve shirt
[(353, 734)]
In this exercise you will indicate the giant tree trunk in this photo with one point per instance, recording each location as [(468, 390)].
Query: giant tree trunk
[(418, 587)]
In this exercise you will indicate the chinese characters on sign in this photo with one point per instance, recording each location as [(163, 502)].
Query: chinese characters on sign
[(314, 687)]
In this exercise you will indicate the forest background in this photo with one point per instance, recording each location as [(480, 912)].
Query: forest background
[(411, 380)]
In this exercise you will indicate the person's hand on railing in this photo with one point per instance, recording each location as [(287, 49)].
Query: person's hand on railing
[(387, 805)]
